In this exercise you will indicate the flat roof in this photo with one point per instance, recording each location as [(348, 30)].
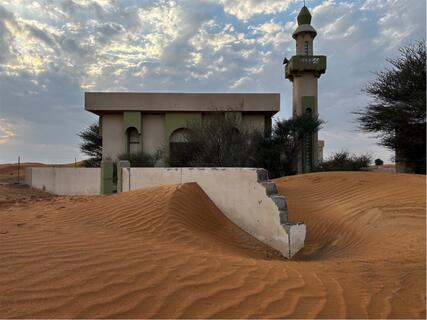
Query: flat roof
[(110, 102)]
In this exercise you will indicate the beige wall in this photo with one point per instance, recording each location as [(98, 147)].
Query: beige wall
[(153, 132), (301, 38), (215, 116), (253, 121), (113, 138), (239, 195), (304, 85)]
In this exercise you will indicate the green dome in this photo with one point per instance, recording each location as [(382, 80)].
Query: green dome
[(304, 16)]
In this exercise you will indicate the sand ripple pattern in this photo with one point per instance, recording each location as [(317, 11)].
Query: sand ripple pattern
[(169, 252)]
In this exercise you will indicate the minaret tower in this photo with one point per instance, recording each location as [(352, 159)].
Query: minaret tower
[(303, 70)]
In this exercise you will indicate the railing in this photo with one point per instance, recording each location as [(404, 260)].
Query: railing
[(302, 63)]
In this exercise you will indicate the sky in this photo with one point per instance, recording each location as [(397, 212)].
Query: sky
[(52, 51)]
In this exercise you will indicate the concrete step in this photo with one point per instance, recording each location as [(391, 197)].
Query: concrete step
[(280, 202), (270, 188), (283, 214), (262, 175)]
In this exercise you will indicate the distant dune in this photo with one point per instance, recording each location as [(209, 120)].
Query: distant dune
[(169, 252), (9, 171)]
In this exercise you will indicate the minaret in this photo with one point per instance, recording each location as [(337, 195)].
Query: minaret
[(303, 70)]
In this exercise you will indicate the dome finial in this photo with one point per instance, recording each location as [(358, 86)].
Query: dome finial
[(304, 16)]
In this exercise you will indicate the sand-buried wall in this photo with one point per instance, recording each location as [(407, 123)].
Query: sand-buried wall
[(244, 195), (65, 181)]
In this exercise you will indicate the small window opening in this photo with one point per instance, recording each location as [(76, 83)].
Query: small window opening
[(306, 48), (133, 141)]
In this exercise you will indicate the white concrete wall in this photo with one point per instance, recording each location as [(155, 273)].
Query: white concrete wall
[(113, 138), (153, 132), (237, 193), (65, 181)]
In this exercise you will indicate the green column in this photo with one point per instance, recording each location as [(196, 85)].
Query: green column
[(308, 107), (177, 120), (106, 176)]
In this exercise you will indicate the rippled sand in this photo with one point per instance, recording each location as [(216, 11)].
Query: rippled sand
[(168, 252)]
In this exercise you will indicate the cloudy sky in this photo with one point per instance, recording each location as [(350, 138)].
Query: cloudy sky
[(52, 51)]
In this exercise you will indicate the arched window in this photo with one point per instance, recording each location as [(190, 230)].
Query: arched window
[(180, 135), (179, 153), (133, 141)]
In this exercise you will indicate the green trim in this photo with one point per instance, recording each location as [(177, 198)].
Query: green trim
[(177, 120), (106, 176), (132, 119), (234, 116), (308, 102), (308, 148), (304, 16), (302, 63)]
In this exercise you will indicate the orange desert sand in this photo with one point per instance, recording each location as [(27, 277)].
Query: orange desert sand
[(168, 252)]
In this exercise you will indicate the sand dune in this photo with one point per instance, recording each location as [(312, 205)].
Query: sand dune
[(168, 252)]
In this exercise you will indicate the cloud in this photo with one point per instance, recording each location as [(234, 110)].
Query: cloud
[(6, 131), (52, 51), (7, 24), (246, 9)]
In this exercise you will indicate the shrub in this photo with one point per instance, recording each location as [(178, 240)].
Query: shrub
[(344, 161), (216, 143), (140, 159)]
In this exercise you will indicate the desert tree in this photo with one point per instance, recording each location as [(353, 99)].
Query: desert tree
[(226, 143), (91, 145), (397, 113), (214, 143), (288, 136)]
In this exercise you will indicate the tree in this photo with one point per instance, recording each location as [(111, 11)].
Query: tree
[(91, 145), (379, 162), (398, 111), (288, 136)]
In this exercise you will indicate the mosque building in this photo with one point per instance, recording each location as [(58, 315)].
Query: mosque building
[(132, 122)]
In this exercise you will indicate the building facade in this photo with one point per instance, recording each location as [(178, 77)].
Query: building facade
[(148, 122), (303, 70)]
